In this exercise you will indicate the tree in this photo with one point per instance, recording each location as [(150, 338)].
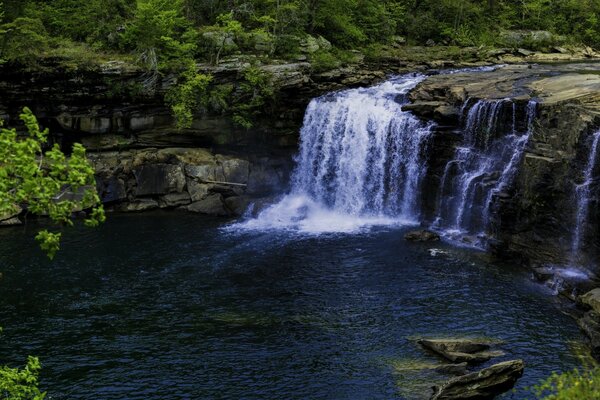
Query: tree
[(46, 183), (21, 384), (160, 34)]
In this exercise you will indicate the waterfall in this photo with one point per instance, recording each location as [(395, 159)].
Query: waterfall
[(484, 165), (583, 194), (360, 163)]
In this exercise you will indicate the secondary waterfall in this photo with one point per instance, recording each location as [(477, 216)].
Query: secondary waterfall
[(360, 163), (484, 165), (583, 194)]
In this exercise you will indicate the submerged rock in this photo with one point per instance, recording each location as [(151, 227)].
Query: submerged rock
[(485, 384), (422, 236), (461, 350), (211, 205), (590, 325), (592, 299)]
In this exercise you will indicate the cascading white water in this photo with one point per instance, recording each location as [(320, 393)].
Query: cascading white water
[(360, 163), (583, 194), (484, 165)]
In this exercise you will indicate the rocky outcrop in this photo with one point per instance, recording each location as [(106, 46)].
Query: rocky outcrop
[(461, 350), (422, 236), (192, 179), (485, 384), (534, 218)]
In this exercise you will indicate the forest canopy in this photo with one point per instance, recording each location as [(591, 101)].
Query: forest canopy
[(160, 31)]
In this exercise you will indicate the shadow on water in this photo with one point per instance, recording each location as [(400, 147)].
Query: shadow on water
[(170, 305)]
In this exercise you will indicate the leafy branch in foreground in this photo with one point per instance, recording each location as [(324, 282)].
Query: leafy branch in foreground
[(46, 183), (21, 384), (570, 385)]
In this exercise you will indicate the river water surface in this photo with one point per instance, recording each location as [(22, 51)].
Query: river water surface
[(171, 305)]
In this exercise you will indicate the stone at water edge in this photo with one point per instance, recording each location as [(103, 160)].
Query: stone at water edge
[(461, 350), (422, 236), (592, 299), (590, 325), (485, 384)]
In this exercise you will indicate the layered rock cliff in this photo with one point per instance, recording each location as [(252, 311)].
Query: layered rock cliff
[(534, 217)]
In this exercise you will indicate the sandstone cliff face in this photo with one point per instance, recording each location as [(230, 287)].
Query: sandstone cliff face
[(215, 167), (535, 217), (143, 161)]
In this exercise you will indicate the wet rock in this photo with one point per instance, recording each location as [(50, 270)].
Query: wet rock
[(238, 205), (524, 52), (211, 205), (454, 369), (485, 384), (422, 236), (592, 299), (232, 170), (197, 190), (11, 218), (461, 350), (174, 200), (139, 205), (590, 325), (158, 179)]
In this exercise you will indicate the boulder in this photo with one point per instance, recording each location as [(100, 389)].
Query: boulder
[(422, 236), (309, 45), (590, 325), (524, 52), (11, 218), (174, 200), (461, 350), (233, 170), (453, 369), (211, 205), (485, 384), (204, 172), (139, 205), (156, 179), (592, 299), (238, 205), (197, 190)]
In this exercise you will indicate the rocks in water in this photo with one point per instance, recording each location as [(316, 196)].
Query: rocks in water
[(139, 205), (591, 299), (211, 205), (590, 321), (422, 236), (566, 281), (174, 200), (453, 369), (484, 384), (461, 350), (11, 218), (136, 180), (158, 179), (590, 325)]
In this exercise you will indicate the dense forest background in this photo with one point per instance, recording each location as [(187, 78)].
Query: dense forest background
[(164, 31)]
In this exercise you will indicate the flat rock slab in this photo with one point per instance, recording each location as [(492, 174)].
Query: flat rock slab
[(422, 236), (592, 299), (461, 350), (485, 384)]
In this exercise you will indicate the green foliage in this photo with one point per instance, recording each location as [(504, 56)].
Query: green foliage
[(323, 61), (160, 34), (190, 93), (95, 22), (22, 40), (257, 90), (570, 385), (46, 182), (21, 384)]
